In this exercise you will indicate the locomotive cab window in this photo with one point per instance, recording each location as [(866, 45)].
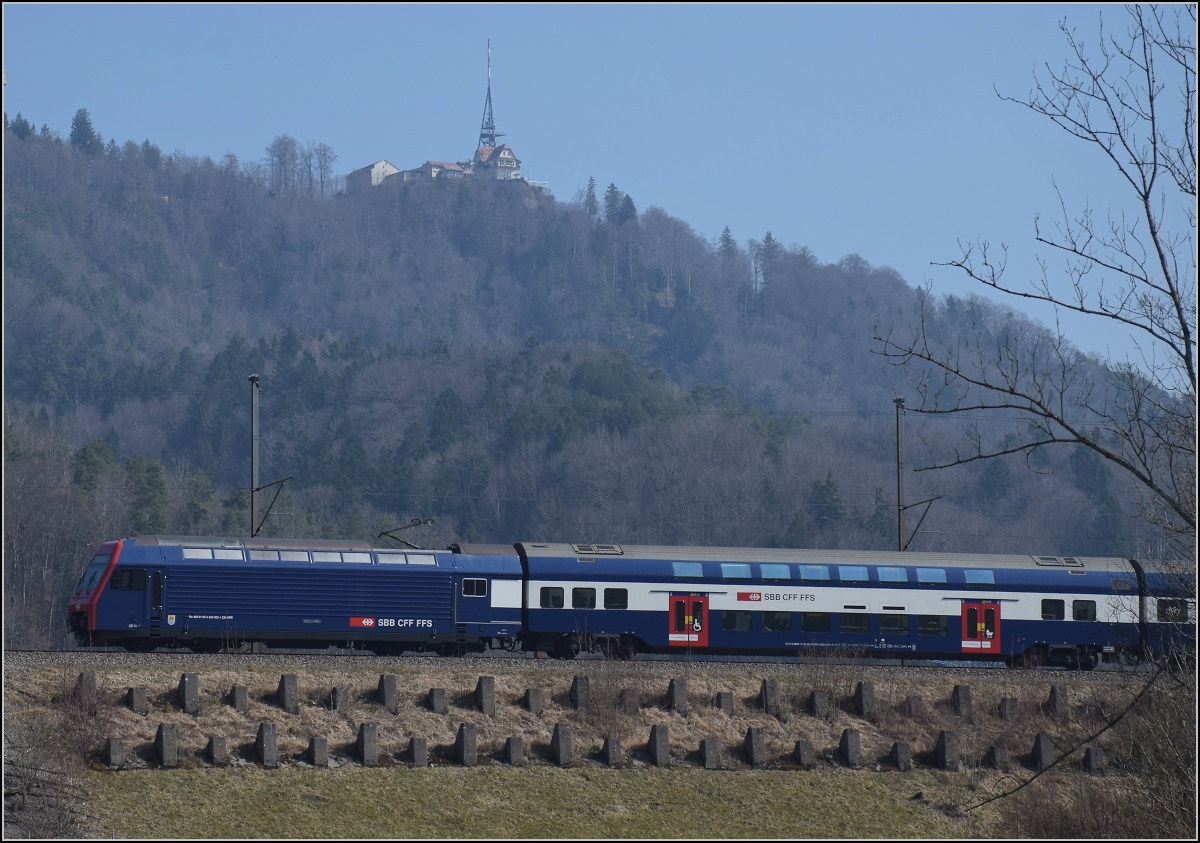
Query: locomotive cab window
[(777, 621), (552, 597), (474, 588), (616, 598), (1053, 610), (129, 579), (583, 598), (95, 569), (1083, 610), (735, 621)]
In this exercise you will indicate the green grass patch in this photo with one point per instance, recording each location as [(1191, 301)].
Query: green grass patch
[(503, 802)]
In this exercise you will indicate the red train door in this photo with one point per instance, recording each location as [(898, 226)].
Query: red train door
[(688, 620), (980, 627)]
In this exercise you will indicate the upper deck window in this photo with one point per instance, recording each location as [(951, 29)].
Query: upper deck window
[(688, 570), (931, 576), (390, 558), (814, 573), (772, 571), (326, 556), (893, 575), (853, 573), (977, 577), (422, 559), (735, 571)]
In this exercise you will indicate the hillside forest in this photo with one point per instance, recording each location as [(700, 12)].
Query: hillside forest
[(478, 357)]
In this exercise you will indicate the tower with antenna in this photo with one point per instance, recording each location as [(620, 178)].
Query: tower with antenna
[(492, 161), (487, 130)]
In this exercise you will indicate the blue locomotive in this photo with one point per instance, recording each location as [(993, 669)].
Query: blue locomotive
[(564, 599)]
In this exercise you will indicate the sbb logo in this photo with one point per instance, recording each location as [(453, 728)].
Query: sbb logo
[(751, 596), (362, 622)]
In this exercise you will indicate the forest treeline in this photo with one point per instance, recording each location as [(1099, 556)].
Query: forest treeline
[(474, 352)]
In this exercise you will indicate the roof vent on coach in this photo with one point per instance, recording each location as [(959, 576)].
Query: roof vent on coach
[(1059, 561), (599, 549)]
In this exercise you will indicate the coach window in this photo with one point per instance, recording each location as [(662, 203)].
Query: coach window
[(1172, 611), (688, 570), (735, 621), (735, 571), (552, 597), (772, 571), (130, 579), (229, 553), (984, 578), (815, 622), (777, 621), (1083, 610), (583, 598), (854, 623), (293, 556), (264, 556), (616, 598), (474, 588), (422, 559), (931, 576), (390, 558), (360, 558), (893, 575), (853, 573), (932, 625), (326, 556), (1053, 610), (893, 624), (197, 553), (814, 573)]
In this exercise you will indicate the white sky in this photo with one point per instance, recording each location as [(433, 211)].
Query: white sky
[(873, 129)]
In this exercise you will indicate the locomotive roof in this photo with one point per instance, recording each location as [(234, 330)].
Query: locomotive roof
[(255, 543), (598, 553)]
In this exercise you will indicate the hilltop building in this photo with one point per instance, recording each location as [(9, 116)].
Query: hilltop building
[(491, 160)]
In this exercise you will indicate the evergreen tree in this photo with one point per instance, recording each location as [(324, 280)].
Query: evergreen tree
[(799, 532), (91, 461), (612, 203), (590, 203), (21, 127), (727, 246), (881, 523), (148, 494), (627, 211), (83, 136), (825, 503)]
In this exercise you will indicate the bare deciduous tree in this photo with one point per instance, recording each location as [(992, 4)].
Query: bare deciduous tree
[(1132, 99)]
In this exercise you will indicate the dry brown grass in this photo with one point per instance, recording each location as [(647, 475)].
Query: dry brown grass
[(30, 696)]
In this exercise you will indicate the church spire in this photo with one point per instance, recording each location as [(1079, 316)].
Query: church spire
[(487, 131)]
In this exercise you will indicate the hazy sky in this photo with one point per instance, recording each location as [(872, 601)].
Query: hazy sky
[(842, 128)]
